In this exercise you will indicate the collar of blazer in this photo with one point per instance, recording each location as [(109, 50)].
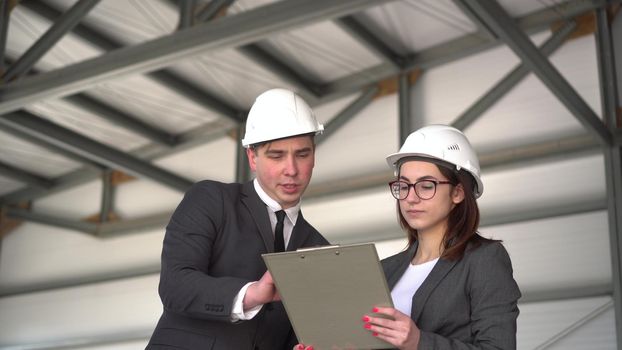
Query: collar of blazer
[(259, 212), (438, 273)]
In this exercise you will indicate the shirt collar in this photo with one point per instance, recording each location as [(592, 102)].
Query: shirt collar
[(292, 212)]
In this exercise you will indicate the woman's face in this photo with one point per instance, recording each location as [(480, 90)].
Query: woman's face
[(428, 215)]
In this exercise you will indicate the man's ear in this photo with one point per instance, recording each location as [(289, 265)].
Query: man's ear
[(252, 158), (457, 195)]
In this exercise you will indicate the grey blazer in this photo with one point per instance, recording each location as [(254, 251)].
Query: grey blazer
[(465, 304), (212, 247)]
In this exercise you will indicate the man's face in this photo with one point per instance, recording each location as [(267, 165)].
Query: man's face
[(284, 167)]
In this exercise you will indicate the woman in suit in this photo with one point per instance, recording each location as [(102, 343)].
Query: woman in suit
[(451, 287)]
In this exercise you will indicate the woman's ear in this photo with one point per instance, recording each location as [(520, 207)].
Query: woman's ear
[(457, 195)]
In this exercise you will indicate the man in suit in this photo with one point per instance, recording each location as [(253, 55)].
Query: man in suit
[(214, 287)]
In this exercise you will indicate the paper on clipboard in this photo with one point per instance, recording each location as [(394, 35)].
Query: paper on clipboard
[(327, 290)]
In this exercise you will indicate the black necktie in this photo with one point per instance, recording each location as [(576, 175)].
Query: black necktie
[(279, 242)]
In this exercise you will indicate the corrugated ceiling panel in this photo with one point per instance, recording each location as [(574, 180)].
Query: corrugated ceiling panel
[(540, 322), (416, 25), (32, 158), (325, 50)]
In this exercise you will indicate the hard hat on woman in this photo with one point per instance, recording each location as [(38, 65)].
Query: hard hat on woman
[(444, 143)]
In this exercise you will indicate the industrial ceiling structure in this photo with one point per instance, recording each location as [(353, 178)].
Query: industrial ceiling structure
[(110, 110)]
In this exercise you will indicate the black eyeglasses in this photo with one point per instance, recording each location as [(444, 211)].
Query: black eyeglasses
[(425, 189)]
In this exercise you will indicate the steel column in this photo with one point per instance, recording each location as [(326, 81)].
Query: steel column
[(186, 13), (5, 11), (242, 170), (405, 119), (613, 158)]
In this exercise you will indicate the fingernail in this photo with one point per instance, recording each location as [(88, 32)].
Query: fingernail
[(374, 309), (309, 348), (366, 318), (375, 334), (300, 347), (367, 325)]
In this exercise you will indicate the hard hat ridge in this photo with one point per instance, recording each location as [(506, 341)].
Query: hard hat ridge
[(279, 113)]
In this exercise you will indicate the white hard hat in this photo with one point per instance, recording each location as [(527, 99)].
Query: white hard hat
[(279, 113), (444, 143)]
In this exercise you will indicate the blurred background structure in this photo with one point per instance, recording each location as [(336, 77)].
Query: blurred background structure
[(109, 110)]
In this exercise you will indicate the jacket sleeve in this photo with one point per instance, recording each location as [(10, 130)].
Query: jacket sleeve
[(493, 297), (186, 286)]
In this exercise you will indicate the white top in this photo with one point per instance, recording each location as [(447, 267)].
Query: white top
[(237, 312), (405, 289)]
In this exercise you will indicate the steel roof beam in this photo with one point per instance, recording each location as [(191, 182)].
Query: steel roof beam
[(453, 50), (494, 16), (73, 142), (120, 118), (283, 70), (347, 114), (89, 165), (51, 220), (483, 28), (225, 33), (198, 136), (507, 83), (442, 53), (58, 29), (166, 77), (262, 56), (24, 176), (371, 41)]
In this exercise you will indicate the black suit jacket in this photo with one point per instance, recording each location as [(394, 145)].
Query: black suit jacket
[(212, 248), (466, 304)]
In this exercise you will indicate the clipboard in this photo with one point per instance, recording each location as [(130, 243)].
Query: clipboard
[(327, 290)]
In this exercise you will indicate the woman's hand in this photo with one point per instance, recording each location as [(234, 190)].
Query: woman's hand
[(399, 330), (302, 347)]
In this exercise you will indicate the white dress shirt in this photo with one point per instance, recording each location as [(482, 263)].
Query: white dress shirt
[(291, 215)]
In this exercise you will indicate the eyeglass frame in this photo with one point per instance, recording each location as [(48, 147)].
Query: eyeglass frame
[(413, 185)]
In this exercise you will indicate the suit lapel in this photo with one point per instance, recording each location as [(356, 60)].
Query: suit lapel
[(259, 213), (437, 274), (300, 233)]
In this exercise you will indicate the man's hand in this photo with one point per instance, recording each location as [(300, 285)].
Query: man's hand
[(261, 292)]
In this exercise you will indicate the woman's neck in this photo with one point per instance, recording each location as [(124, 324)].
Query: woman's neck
[(430, 246)]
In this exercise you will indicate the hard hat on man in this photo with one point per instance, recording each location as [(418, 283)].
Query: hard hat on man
[(277, 114)]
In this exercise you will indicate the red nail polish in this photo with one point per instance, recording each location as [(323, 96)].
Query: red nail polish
[(310, 348), (367, 325), (301, 347), (375, 334), (375, 309), (366, 318)]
